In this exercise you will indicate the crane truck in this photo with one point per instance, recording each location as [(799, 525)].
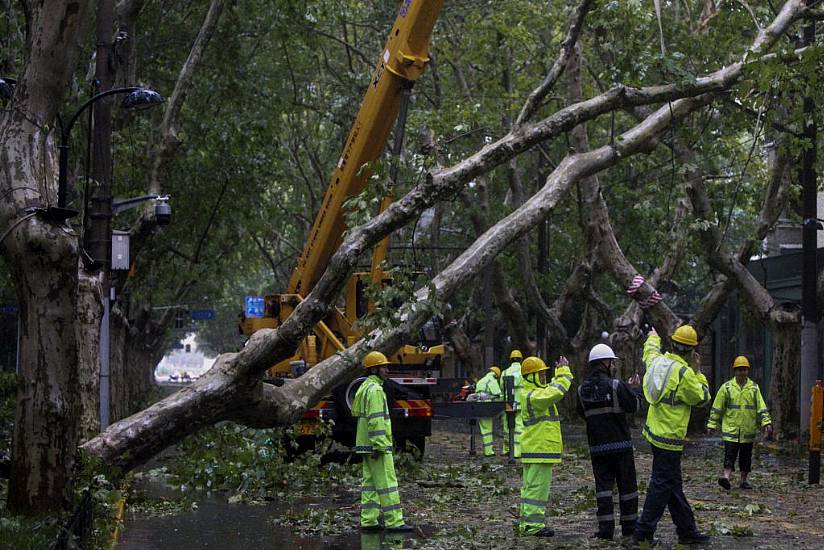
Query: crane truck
[(401, 63)]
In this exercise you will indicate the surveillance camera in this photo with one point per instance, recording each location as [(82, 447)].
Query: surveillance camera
[(163, 211)]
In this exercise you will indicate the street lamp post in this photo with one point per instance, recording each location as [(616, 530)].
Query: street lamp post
[(138, 97)]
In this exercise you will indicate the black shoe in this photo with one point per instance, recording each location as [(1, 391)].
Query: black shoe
[(602, 535), (545, 532), (403, 528), (745, 485), (695, 538), (724, 483), (371, 528)]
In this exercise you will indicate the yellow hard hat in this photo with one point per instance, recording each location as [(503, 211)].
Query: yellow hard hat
[(740, 361), (374, 359), (532, 364), (685, 335), (516, 354), (496, 370)]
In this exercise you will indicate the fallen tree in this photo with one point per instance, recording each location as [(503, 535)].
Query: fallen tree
[(232, 390)]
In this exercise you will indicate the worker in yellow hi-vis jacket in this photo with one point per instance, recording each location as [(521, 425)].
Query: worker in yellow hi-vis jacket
[(541, 443), (489, 385), (740, 410), (373, 440)]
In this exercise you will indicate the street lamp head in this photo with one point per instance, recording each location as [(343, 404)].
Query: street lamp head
[(7, 88), (142, 98), (163, 210)]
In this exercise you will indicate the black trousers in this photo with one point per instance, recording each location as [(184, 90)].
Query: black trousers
[(743, 451), (665, 491), (608, 470)]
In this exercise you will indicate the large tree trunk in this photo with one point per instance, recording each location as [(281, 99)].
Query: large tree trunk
[(47, 417), (786, 365)]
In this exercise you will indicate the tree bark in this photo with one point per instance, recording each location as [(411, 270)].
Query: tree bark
[(786, 365)]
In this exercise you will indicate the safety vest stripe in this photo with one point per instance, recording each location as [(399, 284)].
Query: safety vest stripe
[(733, 407), (390, 507), (628, 496), (529, 410), (749, 407), (560, 387), (540, 455), (370, 506), (375, 433), (534, 518), (489, 444), (616, 409), (606, 517), (728, 434), (538, 420), (388, 490), (363, 448), (718, 411), (665, 440), (367, 489), (533, 502), (377, 415), (603, 494), (567, 376), (615, 446), (629, 517)]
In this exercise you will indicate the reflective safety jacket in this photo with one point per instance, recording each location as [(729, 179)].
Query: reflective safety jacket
[(739, 410), (672, 388), (489, 385), (514, 370), (604, 402), (541, 439), (374, 431)]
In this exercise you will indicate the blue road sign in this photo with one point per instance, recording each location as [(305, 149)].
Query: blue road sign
[(203, 314), (254, 306)]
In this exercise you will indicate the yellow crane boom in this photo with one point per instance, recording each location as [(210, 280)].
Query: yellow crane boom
[(402, 61)]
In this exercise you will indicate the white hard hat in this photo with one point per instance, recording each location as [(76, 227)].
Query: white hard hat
[(601, 351)]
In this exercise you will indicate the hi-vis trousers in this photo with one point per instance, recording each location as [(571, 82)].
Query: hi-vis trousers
[(379, 492), (485, 425), (534, 496)]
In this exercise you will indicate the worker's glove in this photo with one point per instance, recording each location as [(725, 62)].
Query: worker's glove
[(376, 455), (562, 362)]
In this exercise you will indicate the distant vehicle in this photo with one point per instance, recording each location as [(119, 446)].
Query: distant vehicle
[(185, 377), (173, 377)]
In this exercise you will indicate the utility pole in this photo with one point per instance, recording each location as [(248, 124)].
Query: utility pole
[(98, 242), (809, 312)]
